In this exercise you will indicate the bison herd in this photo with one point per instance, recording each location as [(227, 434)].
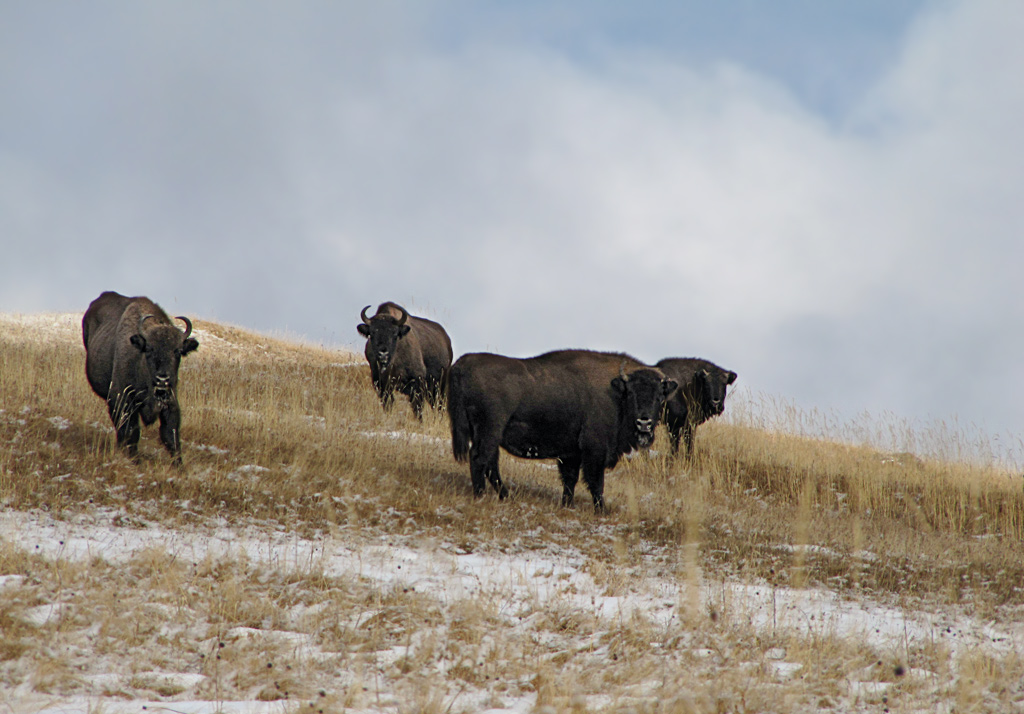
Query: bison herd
[(584, 409)]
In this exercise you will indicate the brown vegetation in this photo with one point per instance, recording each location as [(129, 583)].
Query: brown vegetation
[(286, 438)]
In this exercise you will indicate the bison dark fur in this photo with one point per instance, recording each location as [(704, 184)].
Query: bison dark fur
[(132, 354), (700, 396), (584, 409), (408, 354)]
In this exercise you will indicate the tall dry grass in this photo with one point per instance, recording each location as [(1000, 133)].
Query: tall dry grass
[(293, 433), (294, 436)]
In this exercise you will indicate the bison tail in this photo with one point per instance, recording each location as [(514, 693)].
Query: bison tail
[(459, 418)]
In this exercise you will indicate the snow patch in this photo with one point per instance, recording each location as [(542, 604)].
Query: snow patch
[(60, 422)]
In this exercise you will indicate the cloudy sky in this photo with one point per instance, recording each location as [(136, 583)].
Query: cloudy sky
[(827, 198)]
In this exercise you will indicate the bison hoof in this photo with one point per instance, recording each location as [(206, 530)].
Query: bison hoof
[(503, 493)]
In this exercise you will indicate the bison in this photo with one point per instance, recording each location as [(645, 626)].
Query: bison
[(700, 396), (579, 407), (132, 353), (406, 353)]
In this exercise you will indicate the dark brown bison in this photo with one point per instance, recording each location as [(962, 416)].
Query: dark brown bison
[(132, 353), (579, 407), (406, 353), (700, 396)]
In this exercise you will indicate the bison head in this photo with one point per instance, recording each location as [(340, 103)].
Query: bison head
[(382, 333), (643, 393), (162, 346), (711, 387)]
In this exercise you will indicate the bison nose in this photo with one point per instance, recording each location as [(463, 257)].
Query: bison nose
[(644, 424), (162, 385)]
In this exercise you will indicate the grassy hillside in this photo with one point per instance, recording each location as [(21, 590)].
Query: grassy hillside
[(289, 441)]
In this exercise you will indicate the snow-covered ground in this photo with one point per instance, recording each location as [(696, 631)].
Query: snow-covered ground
[(42, 327), (526, 582)]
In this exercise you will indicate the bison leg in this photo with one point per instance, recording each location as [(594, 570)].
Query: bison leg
[(387, 398), (435, 393), (569, 470), (128, 431), (170, 435), (485, 438), (483, 470), (414, 389), (125, 417), (688, 439), (384, 387), (593, 475), (673, 436), (483, 467)]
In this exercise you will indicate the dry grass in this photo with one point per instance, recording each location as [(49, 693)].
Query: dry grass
[(282, 437)]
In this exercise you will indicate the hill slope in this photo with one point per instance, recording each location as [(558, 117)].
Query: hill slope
[(317, 554)]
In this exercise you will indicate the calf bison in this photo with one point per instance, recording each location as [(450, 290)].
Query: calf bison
[(132, 353), (579, 407), (700, 396), (406, 353)]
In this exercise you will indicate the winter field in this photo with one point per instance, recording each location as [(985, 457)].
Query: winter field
[(318, 555)]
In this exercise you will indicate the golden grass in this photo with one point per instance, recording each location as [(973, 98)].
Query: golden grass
[(293, 437)]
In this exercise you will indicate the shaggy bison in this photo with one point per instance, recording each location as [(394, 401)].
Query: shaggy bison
[(132, 353), (700, 396), (406, 353), (584, 409)]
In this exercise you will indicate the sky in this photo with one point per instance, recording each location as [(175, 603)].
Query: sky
[(823, 197)]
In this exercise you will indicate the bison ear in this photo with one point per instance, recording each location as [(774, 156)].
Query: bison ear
[(363, 329), (139, 341), (668, 386), (619, 385), (730, 377), (189, 345), (403, 330)]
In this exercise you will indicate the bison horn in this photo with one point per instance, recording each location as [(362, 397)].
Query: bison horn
[(188, 325), (405, 316), (143, 319), (363, 315), (622, 372)]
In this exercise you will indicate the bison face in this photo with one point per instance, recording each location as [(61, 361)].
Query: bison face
[(382, 335), (642, 393), (711, 388), (162, 347)]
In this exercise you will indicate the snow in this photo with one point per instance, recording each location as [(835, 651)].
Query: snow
[(60, 422), (42, 327), (115, 706), (443, 570), (44, 614), (406, 436)]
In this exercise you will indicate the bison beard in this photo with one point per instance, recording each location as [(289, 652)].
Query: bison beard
[(132, 354), (584, 409)]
